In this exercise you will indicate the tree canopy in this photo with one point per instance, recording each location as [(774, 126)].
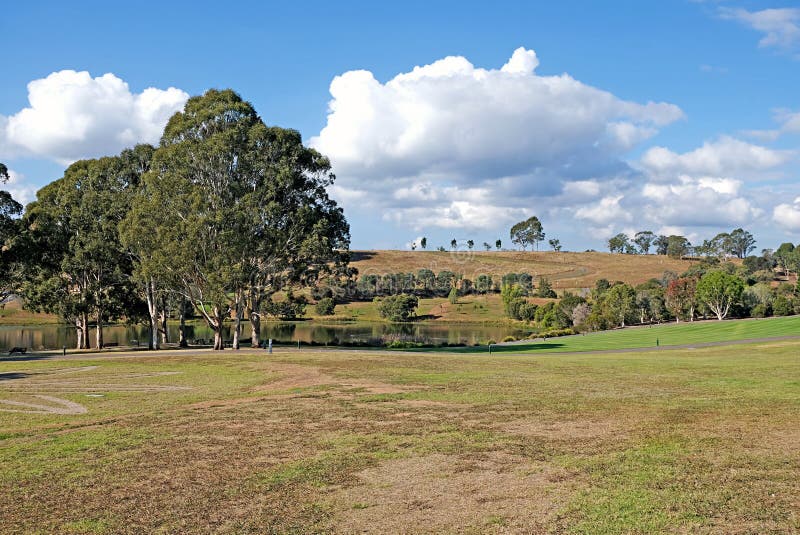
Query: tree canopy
[(528, 232)]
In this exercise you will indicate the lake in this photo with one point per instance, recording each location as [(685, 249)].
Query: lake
[(38, 337)]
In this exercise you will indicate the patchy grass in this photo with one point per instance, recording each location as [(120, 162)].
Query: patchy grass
[(700, 440)]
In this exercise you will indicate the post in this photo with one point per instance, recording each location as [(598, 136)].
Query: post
[(298, 344), (64, 349), (490, 349), (270, 346)]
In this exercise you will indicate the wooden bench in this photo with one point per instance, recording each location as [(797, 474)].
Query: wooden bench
[(18, 350)]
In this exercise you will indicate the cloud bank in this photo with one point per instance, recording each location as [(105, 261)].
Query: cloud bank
[(454, 145), (71, 116)]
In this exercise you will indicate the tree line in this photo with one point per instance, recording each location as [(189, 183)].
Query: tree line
[(738, 243), (709, 289), (222, 214)]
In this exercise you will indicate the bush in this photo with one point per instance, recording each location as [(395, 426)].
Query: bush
[(292, 308), (760, 311), (782, 306), (326, 306), (509, 339), (554, 333), (399, 307)]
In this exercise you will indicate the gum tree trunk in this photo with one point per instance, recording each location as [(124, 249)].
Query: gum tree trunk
[(152, 310)]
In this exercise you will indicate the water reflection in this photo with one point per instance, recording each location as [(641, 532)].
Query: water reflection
[(57, 336)]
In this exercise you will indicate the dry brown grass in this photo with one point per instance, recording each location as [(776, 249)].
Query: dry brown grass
[(565, 270), (379, 442)]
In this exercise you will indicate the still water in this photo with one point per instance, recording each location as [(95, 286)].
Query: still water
[(38, 337)]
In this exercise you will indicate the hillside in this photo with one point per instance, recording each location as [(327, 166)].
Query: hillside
[(565, 270)]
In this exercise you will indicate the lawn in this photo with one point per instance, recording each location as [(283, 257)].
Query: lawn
[(704, 440), (671, 334)]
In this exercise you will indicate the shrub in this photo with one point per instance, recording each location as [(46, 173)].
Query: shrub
[(760, 311), (509, 339), (782, 306), (326, 306), (554, 333), (399, 307)]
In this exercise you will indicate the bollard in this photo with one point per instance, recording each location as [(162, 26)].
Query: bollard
[(270, 346), (298, 344), (490, 349), (64, 349)]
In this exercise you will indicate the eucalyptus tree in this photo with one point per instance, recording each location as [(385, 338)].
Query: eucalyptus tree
[(9, 229), (644, 239), (75, 265), (234, 211), (528, 232)]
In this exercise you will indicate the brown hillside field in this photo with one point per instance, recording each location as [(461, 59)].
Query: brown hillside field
[(565, 270)]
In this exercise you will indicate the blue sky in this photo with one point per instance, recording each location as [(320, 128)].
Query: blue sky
[(462, 149)]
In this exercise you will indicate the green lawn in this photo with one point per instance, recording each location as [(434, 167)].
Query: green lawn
[(665, 335), (687, 441)]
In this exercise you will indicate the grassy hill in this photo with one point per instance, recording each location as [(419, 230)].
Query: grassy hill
[(565, 270)]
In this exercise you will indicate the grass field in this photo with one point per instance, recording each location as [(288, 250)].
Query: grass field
[(672, 334), (704, 440), (565, 270)]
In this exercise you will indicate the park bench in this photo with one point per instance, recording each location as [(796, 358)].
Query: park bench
[(18, 350), (111, 344)]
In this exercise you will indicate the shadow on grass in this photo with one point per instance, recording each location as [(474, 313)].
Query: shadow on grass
[(24, 358), (12, 375)]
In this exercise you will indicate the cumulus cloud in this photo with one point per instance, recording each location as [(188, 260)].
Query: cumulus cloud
[(788, 215), (781, 27), (72, 116), (726, 156), (508, 133), (607, 211), (698, 202)]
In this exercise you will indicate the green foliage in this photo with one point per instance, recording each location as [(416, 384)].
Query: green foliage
[(620, 244), (528, 232), (719, 291), (619, 305), (325, 306), (291, 308), (483, 284), (400, 307), (677, 246), (233, 210), (545, 288), (453, 296)]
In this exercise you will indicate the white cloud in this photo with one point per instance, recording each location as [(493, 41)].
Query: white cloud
[(72, 116), (788, 215), (508, 135), (456, 215), (693, 202), (607, 211), (727, 156), (781, 27)]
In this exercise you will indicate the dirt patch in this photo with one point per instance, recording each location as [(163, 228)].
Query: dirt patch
[(440, 493), (294, 376), (584, 429)]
